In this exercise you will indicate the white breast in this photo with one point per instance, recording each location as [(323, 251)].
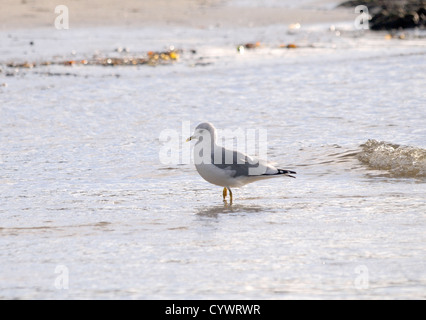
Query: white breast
[(217, 176)]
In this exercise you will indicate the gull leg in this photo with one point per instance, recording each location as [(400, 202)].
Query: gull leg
[(230, 195), (225, 193)]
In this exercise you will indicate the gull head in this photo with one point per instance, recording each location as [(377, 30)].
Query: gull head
[(204, 131)]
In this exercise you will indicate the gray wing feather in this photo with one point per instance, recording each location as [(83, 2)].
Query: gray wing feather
[(235, 161)]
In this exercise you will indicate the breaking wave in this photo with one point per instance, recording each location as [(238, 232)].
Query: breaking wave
[(398, 160)]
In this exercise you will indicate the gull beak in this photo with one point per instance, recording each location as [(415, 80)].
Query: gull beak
[(190, 138)]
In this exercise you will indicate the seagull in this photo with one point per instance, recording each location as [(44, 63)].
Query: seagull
[(228, 168)]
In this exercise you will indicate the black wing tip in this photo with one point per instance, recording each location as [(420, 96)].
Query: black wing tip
[(288, 172)]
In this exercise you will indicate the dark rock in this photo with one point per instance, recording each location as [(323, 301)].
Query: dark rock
[(393, 14)]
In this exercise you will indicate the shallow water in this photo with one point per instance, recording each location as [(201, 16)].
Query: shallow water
[(84, 198)]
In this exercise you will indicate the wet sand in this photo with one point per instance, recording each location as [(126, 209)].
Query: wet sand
[(25, 14)]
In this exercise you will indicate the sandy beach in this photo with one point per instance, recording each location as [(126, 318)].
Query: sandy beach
[(99, 197), (193, 13)]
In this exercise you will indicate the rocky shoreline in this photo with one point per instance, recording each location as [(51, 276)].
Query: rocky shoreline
[(393, 14)]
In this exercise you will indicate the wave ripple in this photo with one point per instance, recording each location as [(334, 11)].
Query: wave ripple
[(399, 160)]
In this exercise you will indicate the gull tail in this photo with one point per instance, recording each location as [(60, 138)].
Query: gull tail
[(287, 173)]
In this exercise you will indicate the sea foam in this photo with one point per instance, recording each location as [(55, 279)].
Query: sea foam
[(398, 160)]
